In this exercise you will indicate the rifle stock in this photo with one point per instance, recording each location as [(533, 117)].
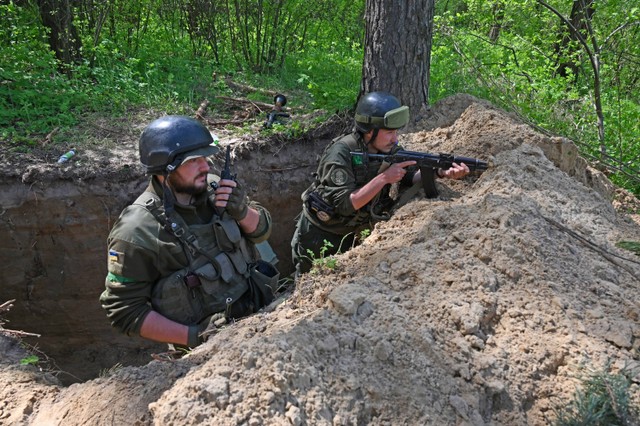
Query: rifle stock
[(427, 163)]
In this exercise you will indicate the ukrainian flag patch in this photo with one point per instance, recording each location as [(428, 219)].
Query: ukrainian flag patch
[(114, 256)]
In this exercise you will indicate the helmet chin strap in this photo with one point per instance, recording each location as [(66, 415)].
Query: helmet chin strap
[(168, 199), (374, 135)]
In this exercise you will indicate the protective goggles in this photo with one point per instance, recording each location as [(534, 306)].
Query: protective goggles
[(393, 119)]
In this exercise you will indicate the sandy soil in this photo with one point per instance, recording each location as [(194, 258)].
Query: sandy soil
[(480, 307)]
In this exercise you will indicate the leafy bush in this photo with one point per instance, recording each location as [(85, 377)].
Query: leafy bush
[(605, 399), (34, 96)]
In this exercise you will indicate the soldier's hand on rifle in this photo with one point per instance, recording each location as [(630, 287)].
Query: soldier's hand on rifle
[(231, 196), (456, 171), (396, 171)]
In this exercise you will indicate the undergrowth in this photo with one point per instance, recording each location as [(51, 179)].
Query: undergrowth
[(604, 398)]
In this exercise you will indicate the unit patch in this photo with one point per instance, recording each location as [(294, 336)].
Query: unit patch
[(339, 176)]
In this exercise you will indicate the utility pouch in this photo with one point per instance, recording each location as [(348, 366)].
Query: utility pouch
[(238, 261), (219, 283), (258, 292), (176, 297), (320, 208), (227, 233), (263, 282), (224, 267), (207, 274)]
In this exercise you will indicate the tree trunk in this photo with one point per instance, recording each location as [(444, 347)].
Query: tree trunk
[(57, 15), (498, 21), (397, 55), (581, 15), (567, 50)]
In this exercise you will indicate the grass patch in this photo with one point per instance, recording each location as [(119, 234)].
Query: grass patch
[(603, 399)]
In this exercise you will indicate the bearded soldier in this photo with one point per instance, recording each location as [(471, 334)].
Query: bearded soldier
[(192, 248)]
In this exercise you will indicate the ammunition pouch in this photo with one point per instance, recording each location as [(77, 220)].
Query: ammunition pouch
[(188, 296)]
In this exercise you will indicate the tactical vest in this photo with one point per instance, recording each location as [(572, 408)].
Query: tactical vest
[(222, 265)]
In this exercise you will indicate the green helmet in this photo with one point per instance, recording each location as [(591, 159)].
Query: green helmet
[(169, 141), (380, 110)]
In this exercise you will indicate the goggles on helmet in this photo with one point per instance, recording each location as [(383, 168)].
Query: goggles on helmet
[(393, 119)]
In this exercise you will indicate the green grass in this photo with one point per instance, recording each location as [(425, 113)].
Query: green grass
[(603, 399)]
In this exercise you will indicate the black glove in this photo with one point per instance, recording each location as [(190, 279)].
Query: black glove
[(199, 333), (237, 206)]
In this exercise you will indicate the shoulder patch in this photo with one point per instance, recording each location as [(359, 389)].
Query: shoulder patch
[(339, 176)]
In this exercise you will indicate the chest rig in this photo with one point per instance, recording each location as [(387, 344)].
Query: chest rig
[(220, 263)]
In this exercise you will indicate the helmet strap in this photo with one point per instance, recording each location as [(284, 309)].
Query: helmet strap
[(374, 135), (174, 164), (168, 199)]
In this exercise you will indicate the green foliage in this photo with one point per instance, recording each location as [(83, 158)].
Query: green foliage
[(162, 56), (34, 95), (605, 399), (518, 55), (30, 360), (331, 74), (321, 260), (107, 372), (364, 234), (170, 56), (632, 246)]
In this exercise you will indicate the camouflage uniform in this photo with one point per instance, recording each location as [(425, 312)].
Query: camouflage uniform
[(147, 264), (327, 210)]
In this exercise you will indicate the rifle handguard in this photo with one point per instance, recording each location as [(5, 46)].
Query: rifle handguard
[(429, 164)]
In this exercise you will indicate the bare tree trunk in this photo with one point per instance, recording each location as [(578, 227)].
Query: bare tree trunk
[(397, 54), (57, 15)]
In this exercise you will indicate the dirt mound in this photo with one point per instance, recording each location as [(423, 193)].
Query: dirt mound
[(479, 307)]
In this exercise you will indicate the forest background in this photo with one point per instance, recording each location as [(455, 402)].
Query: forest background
[(569, 67)]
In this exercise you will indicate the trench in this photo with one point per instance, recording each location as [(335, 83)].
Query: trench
[(53, 231)]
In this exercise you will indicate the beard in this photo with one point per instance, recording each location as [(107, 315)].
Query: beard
[(180, 185)]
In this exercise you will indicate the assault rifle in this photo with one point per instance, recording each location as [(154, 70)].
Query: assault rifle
[(274, 117), (428, 164)]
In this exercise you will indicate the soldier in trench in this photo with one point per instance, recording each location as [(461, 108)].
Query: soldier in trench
[(348, 195), (191, 252)]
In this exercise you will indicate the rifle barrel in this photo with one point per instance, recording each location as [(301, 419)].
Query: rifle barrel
[(433, 160)]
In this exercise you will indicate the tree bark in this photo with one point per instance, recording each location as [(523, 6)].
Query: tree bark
[(397, 55), (566, 49), (57, 15), (592, 50)]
